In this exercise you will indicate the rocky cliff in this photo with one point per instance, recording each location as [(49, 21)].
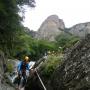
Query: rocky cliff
[(74, 72), (50, 28), (80, 30), (53, 26)]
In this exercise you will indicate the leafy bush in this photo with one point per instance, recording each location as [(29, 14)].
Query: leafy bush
[(50, 65), (65, 40)]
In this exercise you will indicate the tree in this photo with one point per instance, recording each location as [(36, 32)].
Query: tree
[(30, 3), (10, 22)]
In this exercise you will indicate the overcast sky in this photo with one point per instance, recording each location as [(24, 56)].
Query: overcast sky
[(71, 11)]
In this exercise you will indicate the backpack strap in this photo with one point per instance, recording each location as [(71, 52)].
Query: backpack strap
[(23, 67)]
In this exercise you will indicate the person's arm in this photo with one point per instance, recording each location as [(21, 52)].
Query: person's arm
[(19, 67)]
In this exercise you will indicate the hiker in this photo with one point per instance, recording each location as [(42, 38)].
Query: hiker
[(22, 67)]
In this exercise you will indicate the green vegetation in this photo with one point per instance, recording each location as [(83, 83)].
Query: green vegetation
[(66, 40), (50, 65), (13, 37), (33, 47), (10, 23)]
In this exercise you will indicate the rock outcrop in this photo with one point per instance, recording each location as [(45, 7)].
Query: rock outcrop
[(50, 28), (74, 72), (53, 26), (4, 82), (80, 30)]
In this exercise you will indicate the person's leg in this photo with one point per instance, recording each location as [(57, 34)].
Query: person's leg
[(24, 79), (19, 79)]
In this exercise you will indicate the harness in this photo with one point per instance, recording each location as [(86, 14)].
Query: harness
[(23, 67)]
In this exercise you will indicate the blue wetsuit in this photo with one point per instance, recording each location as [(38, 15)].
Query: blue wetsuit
[(22, 72), (19, 67)]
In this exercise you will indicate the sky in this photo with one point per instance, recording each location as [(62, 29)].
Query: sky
[(71, 11)]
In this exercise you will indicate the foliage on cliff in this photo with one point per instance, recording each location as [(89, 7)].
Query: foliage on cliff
[(66, 40)]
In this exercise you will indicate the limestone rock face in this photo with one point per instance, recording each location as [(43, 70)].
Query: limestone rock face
[(50, 28), (74, 72), (80, 30)]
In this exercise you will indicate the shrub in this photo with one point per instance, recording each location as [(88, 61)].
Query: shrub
[(50, 65), (65, 40)]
